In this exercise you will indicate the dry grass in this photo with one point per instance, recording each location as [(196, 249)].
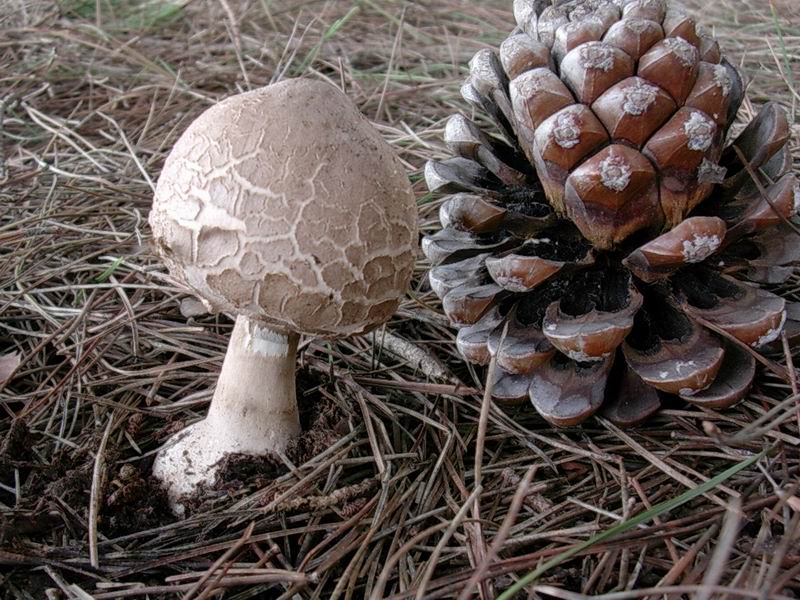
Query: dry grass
[(381, 498)]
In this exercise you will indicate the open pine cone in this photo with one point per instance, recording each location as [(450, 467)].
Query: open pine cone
[(605, 243)]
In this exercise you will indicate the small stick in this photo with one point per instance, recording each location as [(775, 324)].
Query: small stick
[(787, 351), (395, 50), (483, 424), (686, 560), (502, 534), (673, 552), (383, 578), (658, 462), (94, 496), (727, 539), (277, 576), (434, 389), (237, 39), (683, 590), (780, 552), (437, 552), (219, 562), (417, 356)]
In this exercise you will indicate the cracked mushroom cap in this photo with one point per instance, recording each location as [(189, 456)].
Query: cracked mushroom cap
[(285, 205)]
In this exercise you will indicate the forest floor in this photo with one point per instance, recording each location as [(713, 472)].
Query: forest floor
[(379, 498)]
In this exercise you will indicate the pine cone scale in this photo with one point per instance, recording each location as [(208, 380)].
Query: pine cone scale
[(732, 382), (595, 334), (608, 216)]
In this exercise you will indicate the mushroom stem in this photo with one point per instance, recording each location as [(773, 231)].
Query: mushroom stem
[(253, 411), (255, 400)]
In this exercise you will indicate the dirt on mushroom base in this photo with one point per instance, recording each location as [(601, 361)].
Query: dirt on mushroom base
[(133, 500), (323, 424)]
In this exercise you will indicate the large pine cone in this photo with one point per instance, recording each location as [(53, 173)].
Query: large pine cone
[(605, 244)]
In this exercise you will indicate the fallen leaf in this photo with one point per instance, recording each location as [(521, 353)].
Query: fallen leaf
[(794, 502), (192, 307), (8, 364)]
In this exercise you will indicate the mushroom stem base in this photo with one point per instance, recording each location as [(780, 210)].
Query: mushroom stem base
[(253, 411)]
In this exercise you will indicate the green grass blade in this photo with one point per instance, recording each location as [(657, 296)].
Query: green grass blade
[(647, 515), (103, 277), (335, 27), (120, 15), (786, 63)]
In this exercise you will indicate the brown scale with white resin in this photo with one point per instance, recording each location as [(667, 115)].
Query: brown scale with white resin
[(604, 232)]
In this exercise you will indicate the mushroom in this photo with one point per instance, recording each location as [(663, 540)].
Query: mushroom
[(284, 207)]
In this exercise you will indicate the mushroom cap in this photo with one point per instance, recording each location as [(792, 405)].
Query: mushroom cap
[(285, 205)]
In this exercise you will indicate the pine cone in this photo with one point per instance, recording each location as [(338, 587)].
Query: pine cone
[(604, 243)]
